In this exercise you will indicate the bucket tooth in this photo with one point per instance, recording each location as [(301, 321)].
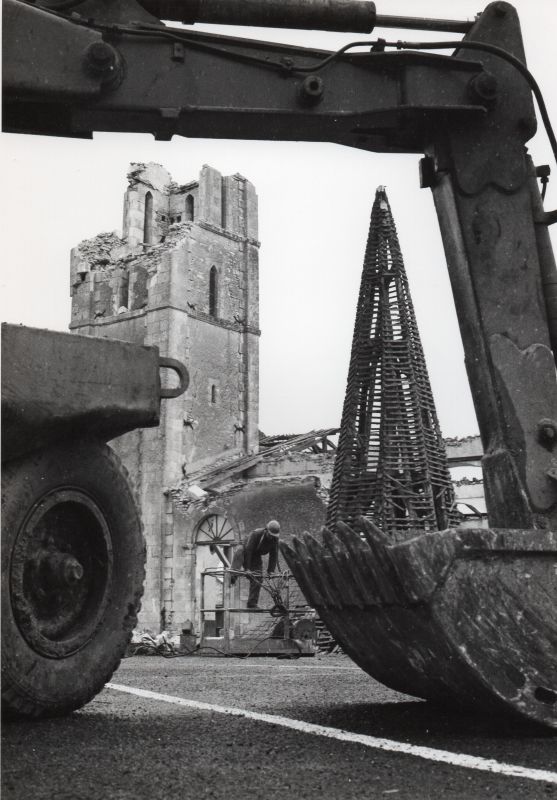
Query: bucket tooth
[(300, 570), (302, 566), (320, 572), (371, 532), (329, 581), (340, 566), (355, 548)]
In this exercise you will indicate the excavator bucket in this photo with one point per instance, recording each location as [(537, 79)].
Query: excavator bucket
[(461, 616), (449, 614)]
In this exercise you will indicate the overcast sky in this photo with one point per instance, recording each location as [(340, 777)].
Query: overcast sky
[(314, 201)]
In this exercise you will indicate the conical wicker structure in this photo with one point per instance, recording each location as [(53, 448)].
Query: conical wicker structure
[(391, 464)]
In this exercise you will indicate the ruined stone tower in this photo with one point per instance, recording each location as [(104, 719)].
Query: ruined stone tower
[(184, 277)]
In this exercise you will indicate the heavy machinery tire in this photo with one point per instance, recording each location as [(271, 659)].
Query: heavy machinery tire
[(73, 565)]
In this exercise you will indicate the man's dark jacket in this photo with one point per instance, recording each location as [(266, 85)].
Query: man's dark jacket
[(259, 544)]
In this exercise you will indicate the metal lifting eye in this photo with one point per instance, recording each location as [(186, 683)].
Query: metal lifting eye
[(183, 378)]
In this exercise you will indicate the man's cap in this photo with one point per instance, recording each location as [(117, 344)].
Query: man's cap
[(273, 528)]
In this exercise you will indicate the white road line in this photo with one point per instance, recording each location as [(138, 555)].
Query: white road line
[(244, 664), (391, 745)]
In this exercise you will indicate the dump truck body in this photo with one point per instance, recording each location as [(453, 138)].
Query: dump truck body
[(73, 552)]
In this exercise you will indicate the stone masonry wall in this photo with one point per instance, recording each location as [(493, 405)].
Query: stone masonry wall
[(296, 502), (154, 290)]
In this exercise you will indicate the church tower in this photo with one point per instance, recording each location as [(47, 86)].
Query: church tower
[(184, 277)]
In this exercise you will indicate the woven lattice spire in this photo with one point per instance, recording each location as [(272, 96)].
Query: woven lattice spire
[(391, 465)]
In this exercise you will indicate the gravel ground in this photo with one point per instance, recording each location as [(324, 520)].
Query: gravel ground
[(122, 746)]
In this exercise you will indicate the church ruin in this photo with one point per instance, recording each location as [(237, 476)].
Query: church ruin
[(184, 277)]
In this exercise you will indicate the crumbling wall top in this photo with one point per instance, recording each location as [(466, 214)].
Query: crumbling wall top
[(152, 175), (99, 251)]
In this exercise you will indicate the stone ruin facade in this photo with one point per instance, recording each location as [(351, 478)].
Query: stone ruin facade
[(183, 276)]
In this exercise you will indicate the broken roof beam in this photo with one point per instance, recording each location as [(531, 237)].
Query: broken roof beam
[(231, 469), (226, 471)]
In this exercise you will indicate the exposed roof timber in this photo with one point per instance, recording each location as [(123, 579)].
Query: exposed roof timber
[(223, 472)]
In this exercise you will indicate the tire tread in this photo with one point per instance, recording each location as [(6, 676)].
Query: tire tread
[(16, 703)]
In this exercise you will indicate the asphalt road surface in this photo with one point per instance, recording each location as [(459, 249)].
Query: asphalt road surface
[(266, 728)]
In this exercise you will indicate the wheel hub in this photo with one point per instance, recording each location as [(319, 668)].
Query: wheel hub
[(58, 570), (61, 572)]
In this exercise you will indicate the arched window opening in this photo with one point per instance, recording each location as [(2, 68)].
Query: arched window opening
[(223, 206), (215, 530), (189, 208), (123, 286), (213, 394), (148, 221), (213, 291)]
